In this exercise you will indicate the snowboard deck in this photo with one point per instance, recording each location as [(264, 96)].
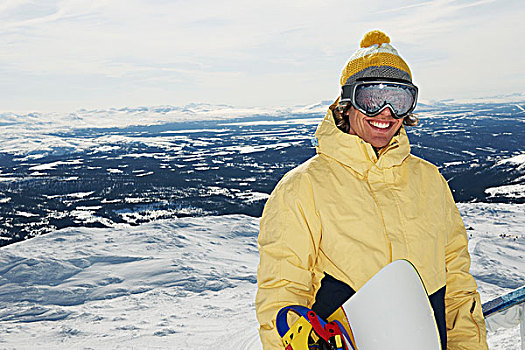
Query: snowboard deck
[(392, 311)]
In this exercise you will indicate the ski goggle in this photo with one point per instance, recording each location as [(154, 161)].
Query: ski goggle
[(371, 97)]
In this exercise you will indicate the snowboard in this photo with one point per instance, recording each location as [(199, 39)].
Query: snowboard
[(392, 311)]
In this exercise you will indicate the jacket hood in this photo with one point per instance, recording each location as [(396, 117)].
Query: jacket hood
[(356, 153)]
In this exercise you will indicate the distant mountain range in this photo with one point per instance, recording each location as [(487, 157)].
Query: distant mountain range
[(103, 168)]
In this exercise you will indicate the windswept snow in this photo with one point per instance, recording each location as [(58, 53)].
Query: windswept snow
[(187, 283), (178, 284), (52, 166), (509, 191), (518, 160), (497, 246)]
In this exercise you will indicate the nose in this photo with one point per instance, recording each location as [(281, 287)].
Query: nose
[(386, 113)]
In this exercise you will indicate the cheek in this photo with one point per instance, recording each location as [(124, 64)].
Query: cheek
[(399, 124), (357, 121), (352, 120)]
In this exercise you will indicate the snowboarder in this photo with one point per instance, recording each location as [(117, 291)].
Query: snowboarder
[(362, 202)]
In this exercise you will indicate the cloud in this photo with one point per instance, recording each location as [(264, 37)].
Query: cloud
[(185, 51), (406, 7)]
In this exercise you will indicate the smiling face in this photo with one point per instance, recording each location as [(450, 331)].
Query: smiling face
[(377, 130)]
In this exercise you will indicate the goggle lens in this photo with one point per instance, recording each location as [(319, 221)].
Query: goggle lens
[(373, 97)]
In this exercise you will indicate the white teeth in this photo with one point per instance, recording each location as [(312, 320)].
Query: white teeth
[(380, 125)]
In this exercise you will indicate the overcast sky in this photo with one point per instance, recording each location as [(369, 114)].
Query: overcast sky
[(66, 55)]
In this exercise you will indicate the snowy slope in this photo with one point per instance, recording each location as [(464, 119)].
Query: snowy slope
[(186, 283), (180, 284)]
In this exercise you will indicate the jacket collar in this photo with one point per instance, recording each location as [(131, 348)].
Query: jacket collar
[(352, 151)]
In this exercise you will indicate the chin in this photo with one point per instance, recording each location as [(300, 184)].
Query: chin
[(380, 144)]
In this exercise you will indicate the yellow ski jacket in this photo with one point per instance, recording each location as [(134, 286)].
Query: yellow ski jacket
[(348, 212)]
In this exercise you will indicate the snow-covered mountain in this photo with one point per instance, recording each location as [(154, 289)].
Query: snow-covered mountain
[(43, 134), (151, 216), (187, 283), (134, 165)]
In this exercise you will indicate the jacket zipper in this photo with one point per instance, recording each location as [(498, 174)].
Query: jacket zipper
[(473, 320)]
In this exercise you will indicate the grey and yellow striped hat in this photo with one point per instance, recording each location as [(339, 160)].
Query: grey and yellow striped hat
[(376, 58)]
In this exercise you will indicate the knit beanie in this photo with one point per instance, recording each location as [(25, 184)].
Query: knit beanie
[(376, 58)]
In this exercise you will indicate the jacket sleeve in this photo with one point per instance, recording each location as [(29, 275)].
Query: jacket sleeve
[(288, 244), (464, 317)]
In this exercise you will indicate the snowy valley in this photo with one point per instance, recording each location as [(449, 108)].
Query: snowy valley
[(137, 228)]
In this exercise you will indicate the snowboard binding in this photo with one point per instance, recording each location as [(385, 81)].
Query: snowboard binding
[(310, 332)]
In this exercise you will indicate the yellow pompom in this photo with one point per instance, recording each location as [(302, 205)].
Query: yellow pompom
[(374, 37)]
